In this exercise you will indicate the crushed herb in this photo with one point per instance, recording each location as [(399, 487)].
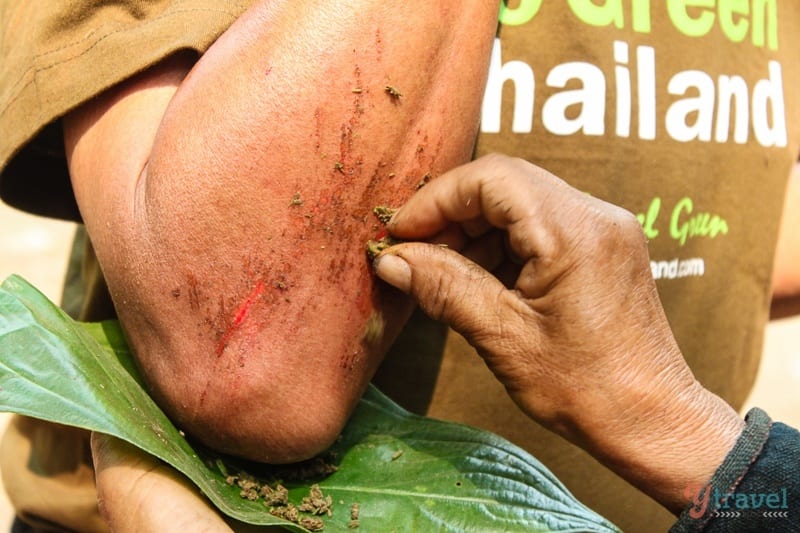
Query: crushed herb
[(375, 247), (316, 503), (383, 240), (424, 181), (384, 213), (287, 512), (393, 92), (312, 524), (275, 496)]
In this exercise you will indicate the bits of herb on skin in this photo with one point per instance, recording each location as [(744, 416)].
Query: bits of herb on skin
[(339, 167), (356, 90), (393, 92), (296, 200), (376, 247), (384, 213), (425, 179)]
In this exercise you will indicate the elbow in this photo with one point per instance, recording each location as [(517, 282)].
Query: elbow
[(258, 402), (270, 387), (266, 420)]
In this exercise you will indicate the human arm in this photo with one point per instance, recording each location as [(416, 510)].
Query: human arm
[(580, 340), (229, 210)]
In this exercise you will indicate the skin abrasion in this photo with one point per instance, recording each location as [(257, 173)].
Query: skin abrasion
[(239, 316)]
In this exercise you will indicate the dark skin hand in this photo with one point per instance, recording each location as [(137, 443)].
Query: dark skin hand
[(578, 337)]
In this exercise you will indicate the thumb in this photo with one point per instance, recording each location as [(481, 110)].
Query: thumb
[(447, 286), (137, 492)]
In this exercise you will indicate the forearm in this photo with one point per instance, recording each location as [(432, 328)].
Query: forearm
[(236, 258), (669, 447)]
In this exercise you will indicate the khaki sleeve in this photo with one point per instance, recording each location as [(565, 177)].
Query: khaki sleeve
[(58, 54)]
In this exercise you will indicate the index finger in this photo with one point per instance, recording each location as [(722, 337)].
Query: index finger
[(500, 189)]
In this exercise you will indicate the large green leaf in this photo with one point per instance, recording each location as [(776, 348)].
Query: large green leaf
[(406, 472)]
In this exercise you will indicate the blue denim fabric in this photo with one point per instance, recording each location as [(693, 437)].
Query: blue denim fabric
[(757, 487)]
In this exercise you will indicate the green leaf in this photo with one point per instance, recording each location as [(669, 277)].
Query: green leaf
[(407, 473)]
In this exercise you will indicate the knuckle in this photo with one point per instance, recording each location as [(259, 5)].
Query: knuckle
[(506, 166), (615, 229), (495, 159), (628, 228)]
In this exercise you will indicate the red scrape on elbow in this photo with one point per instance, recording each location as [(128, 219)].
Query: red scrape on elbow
[(239, 316)]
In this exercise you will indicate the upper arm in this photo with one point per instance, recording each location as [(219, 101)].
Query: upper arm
[(229, 210)]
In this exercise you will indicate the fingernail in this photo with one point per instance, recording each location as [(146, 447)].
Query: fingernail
[(393, 270)]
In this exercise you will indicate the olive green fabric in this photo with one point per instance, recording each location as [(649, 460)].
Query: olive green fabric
[(714, 288), (57, 54)]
